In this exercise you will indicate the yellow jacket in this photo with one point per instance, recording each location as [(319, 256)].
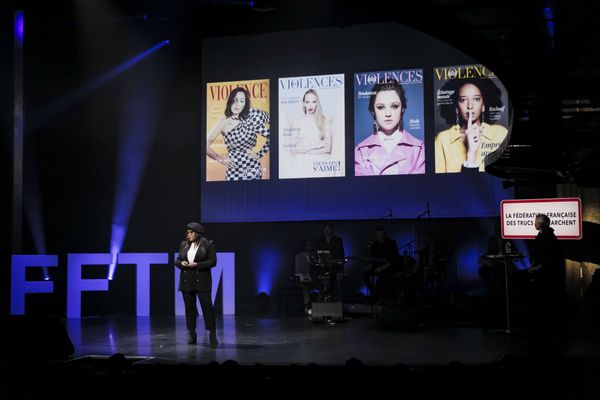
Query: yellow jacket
[(451, 153)]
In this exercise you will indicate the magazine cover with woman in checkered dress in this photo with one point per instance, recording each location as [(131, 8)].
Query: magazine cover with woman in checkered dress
[(238, 143)]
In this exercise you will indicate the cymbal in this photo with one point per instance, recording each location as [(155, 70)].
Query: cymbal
[(501, 255)]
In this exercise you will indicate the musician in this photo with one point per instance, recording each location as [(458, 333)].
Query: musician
[(407, 280), (429, 256), (385, 265), (335, 246), (303, 266)]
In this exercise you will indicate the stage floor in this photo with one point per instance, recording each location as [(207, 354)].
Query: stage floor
[(297, 340)]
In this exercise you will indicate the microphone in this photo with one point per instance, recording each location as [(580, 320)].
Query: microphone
[(389, 213), (425, 212)]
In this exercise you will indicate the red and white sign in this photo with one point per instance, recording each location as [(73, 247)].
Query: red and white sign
[(518, 217)]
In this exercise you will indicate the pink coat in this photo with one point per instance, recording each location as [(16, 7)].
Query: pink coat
[(408, 157)]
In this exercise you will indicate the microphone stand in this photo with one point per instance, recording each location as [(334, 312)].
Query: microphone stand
[(418, 236), (506, 258)]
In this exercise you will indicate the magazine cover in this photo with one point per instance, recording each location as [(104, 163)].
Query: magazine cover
[(471, 117), (389, 123), (237, 130), (311, 126)]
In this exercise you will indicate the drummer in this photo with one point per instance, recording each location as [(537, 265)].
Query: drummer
[(385, 262), (330, 251)]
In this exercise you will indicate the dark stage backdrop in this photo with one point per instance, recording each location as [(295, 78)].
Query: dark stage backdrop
[(6, 157)]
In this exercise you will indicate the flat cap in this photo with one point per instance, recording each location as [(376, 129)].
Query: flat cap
[(196, 227)]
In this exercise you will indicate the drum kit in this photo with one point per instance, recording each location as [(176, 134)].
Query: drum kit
[(426, 277)]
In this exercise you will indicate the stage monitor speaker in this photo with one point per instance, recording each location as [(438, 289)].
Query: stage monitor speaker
[(36, 338), (327, 311)]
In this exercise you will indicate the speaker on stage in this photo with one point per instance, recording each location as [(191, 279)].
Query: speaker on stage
[(36, 338), (327, 311)]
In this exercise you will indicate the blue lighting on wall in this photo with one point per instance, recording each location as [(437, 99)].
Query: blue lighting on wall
[(520, 246), (267, 262), (467, 267), (19, 26)]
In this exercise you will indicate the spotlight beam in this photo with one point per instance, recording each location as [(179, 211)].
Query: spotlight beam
[(66, 101), (140, 107)]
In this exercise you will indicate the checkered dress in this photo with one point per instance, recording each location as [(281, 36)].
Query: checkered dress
[(243, 138)]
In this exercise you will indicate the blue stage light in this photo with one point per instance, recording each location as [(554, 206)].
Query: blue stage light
[(32, 207), (117, 237), (263, 299), (19, 26), (549, 16), (139, 109), (550, 27), (267, 262)]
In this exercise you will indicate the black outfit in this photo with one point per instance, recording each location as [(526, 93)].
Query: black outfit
[(548, 286), (430, 263), (197, 282), (303, 265), (385, 250), (335, 246)]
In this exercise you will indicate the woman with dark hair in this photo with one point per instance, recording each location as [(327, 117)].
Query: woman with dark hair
[(473, 134), (197, 255), (240, 128), (390, 150)]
